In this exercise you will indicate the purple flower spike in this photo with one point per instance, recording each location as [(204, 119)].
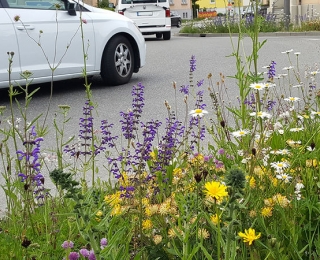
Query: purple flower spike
[(103, 242), (193, 63)]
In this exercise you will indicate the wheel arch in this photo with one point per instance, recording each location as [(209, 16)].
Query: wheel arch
[(136, 52)]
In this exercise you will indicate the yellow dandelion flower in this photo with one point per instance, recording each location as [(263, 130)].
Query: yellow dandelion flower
[(216, 190), (252, 214), (266, 212), (203, 233), (259, 171), (157, 239), (147, 224), (281, 200), (215, 219), (249, 236), (177, 172), (269, 202), (147, 211), (116, 210), (113, 199), (311, 163), (172, 233), (153, 155), (145, 201), (99, 213), (252, 183), (164, 208), (274, 182)]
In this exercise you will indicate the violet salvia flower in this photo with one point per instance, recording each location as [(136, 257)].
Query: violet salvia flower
[(272, 71), (31, 157), (251, 101), (193, 63), (128, 124), (138, 100), (270, 104), (184, 89), (168, 144), (107, 138), (74, 256), (200, 83), (67, 244)]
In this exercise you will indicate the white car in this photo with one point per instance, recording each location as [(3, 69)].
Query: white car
[(45, 37)]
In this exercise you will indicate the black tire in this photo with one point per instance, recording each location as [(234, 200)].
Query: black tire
[(158, 35), (167, 35), (117, 61)]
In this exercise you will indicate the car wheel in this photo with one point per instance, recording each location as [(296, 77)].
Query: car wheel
[(167, 35), (179, 24), (117, 61), (159, 35)]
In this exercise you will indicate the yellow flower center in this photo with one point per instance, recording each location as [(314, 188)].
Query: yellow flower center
[(241, 133), (198, 111), (259, 113)]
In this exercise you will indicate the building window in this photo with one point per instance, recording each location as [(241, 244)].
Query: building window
[(212, 1), (184, 2)]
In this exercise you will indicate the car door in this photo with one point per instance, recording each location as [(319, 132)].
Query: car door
[(49, 39), (9, 44)]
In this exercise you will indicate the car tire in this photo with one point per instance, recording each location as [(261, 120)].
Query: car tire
[(179, 24), (117, 61), (167, 35), (158, 35)]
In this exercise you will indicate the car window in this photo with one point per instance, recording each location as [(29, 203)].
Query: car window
[(37, 4)]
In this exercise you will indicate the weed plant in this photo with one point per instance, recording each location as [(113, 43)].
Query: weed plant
[(226, 181)]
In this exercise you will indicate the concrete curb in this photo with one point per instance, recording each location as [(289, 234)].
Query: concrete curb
[(270, 34)]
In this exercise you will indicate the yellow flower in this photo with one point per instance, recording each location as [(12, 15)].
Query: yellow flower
[(147, 224), (252, 183), (99, 213), (281, 200), (203, 233), (116, 210), (312, 163), (216, 190), (153, 155), (157, 239), (113, 199), (252, 214), (215, 219), (172, 233), (249, 236), (266, 212)]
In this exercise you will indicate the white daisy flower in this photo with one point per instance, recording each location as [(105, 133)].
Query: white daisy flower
[(292, 99), (315, 113), (279, 165), (198, 112), (287, 51), (270, 85), (283, 152), (288, 68), (277, 126), (261, 114), (297, 86), (313, 73), (311, 149), (299, 186), (297, 53), (240, 133), (283, 176), (281, 131), (258, 86), (296, 129)]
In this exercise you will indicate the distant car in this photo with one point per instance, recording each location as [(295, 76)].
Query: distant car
[(45, 37), (175, 19)]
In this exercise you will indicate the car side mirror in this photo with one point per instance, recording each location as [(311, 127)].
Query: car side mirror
[(70, 7)]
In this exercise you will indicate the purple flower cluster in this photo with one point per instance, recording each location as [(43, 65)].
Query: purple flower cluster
[(192, 63), (251, 101), (31, 157), (169, 142), (272, 71), (271, 104)]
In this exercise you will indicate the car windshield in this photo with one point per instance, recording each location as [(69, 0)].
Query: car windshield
[(142, 1)]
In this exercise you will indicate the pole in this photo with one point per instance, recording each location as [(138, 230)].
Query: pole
[(286, 10)]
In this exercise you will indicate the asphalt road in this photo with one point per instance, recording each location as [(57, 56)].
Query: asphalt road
[(167, 61)]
